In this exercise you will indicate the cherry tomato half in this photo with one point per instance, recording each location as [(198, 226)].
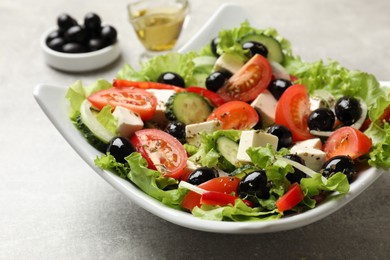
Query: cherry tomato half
[(291, 198), (347, 141), (214, 98), (162, 151), (249, 81), (136, 100), (224, 184), (235, 115), (293, 110)]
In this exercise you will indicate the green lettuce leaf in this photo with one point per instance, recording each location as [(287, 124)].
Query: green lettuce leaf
[(150, 182), (239, 212), (314, 186), (337, 80), (207, 154), (181, 64), (77, 93), (379, 156), (107, 120)]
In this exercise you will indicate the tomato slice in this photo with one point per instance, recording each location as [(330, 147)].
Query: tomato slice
[(252, 79), (162, 151), (347, 141), (235, 115), (121, 83), (214, 98), (291, 198), (293, 110), (225, 184), (136, 100)]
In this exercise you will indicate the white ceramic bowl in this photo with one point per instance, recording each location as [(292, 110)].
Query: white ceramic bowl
[(79, 62), (55, 106)]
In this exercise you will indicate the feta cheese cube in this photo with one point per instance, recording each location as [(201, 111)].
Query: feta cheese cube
[(162, 96), (253, 138), (314, 158), (265, 104), (310, 143), (127, 121), (193, 131)]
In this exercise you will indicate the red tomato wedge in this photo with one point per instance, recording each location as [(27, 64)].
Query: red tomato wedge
[(235, 115), (136, 100), (291, 198), (347, 141), (162, 151), (214, 98), (252, 79), (215, 198), (226, 185), (121, 83), (293, 110)]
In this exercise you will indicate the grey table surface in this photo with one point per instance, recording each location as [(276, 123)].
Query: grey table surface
[(53, 206)]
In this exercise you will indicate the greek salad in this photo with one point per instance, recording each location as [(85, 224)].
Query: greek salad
[(241, 130)]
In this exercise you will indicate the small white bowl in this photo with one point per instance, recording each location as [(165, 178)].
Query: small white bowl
[(79, 62)]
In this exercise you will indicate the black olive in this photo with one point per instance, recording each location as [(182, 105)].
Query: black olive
[(297, 175), (340, 163), (96, 44), (73, 47), (216, 80), (54, 34), (321, 119), (254, 184), (56, 44), (109, 34), (92, 22), (278, 86), (255, 48), (177, 129), (171, 78), (213, 44), (202, 175), (120, 147), (283, 133), (77, 34), (348, 110), (65, 21)]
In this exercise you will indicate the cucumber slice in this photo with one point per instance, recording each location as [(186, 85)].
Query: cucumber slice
[(89, 119), (188, 108), (228, 149), (275, 52), (203, 61), (90, 137)]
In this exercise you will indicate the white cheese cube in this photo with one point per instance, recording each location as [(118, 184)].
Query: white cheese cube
[(127, 121), (253, 138), (310, 143), (265, 104), (314, 158), (162, 96), (193, 131), (228, 62)]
